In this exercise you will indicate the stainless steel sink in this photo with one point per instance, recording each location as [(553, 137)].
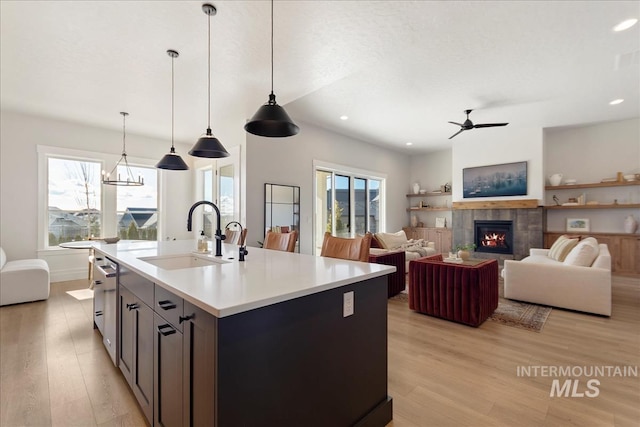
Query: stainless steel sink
[(180, 261)]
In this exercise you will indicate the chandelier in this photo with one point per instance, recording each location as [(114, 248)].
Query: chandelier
[(115, 178)]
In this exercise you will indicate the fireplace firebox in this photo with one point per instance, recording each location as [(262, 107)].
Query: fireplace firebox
[(494, 236)]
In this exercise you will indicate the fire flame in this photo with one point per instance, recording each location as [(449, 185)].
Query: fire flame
[(494, 240)]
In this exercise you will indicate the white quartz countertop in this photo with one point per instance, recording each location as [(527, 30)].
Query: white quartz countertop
[(230, 287)]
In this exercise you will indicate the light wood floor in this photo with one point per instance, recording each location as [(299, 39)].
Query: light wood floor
[(55, 371)]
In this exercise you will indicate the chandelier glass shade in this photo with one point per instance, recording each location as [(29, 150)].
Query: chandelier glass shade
[(116, 178), (271, 120), (208, 145), (172, 161)]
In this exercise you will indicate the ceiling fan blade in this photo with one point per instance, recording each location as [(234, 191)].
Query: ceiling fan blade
[(454, 123), (489, 125), (461, 130)]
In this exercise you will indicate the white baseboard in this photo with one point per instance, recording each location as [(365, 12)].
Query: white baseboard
[(68, 274)]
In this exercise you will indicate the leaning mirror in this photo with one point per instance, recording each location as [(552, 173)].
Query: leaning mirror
[(282, 209)]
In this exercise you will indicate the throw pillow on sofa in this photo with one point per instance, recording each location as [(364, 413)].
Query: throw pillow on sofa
[(392, 240), (584, 253), (561, 247)]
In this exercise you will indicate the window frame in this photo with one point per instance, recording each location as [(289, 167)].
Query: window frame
[(352, 173), (108, 201), (214, 166)]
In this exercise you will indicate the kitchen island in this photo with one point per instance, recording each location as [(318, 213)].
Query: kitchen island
[(280, 339)]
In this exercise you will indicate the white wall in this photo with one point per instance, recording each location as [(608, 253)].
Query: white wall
[(588, 154), (20, 135), (482, 147), (290, 161)]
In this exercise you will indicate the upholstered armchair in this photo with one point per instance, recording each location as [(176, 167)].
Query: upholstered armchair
[(23, 280)]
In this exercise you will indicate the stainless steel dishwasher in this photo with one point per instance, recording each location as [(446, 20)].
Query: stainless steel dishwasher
[(105, 284)]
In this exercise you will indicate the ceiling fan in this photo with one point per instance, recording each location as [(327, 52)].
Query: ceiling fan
[(468, 124)]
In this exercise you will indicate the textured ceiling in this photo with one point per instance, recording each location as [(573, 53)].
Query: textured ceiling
[(400, 70)]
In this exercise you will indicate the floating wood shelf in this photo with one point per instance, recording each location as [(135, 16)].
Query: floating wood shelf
[(593, 185), (498, 204), (429, 194), (435, 208), (603, 206)]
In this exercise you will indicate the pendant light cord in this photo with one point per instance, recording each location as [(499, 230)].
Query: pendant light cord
[(271, 46), (209, 78), (124, 134), (172, 58)]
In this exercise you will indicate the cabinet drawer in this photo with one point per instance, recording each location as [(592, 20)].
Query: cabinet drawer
[(169, 306), (138, 285)]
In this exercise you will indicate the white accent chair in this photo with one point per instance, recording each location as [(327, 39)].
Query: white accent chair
[(23, 280)]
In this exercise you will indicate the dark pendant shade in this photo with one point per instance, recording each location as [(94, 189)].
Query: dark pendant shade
[(208, 146), (172, 162), (271, 120)]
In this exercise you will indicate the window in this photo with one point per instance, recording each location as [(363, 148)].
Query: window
[(207, 211), (347, 202), (137, 206), (367, 196), (74, 208), (225, 200), (226, 191), (218, 182), (73, 204)]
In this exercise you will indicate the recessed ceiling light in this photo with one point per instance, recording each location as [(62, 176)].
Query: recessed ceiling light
[(625, 25), (616, 101), (344, 117), (409, 143)]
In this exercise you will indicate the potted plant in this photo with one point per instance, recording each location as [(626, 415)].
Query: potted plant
[(463, 250)]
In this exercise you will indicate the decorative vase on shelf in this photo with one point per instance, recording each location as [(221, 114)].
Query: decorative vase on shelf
[(630, 224), (414, 221), (416, 188), (555, 179)]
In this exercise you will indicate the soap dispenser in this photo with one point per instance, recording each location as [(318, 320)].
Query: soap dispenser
[(203, 244)]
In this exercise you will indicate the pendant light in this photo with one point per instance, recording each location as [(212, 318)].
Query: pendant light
[(271, 120), (208, 145), (117, 179), (171, 160)]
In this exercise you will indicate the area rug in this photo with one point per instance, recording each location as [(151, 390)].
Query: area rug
[(521, 315), (530, 317)]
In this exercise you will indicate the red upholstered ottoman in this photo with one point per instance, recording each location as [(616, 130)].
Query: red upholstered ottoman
[(465, 293), (396, 281)]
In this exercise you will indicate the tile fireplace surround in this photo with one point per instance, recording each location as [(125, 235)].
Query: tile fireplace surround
[(527, 229)]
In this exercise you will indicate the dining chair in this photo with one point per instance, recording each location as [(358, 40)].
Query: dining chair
[(281, 241), (235, 237), (355, 249)]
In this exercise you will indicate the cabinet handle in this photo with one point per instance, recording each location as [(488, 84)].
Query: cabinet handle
[(164, 332), (185, 318), (132, 306), (166, 305), (98, 313), (99, 259), (97, 282)]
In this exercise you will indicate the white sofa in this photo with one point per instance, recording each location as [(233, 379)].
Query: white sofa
[(23, 280), (541, 279), (413, 249)]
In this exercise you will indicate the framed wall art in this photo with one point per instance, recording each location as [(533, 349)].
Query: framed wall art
[(507, 179), (577, 224)]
